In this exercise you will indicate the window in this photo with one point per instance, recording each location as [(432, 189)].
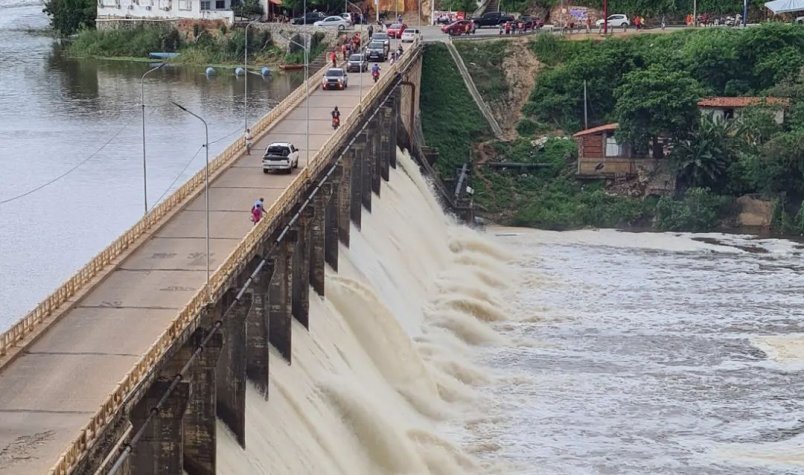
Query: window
[(220, 4), (728, 113), (613, 149), (205, 4)]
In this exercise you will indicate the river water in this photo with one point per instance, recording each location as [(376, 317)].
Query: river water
[(652, 353), (57, 112)]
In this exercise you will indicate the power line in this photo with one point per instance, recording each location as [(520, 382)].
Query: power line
[(187, 165), (72, 169)]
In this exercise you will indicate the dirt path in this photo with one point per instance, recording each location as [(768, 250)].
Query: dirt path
[(520, 67)]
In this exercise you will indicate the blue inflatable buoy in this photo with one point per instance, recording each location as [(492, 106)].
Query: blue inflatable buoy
[(239, 71), (265, 71), (210, 71)]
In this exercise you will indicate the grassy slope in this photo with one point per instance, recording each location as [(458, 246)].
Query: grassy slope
[(450, 118), (484, 62)]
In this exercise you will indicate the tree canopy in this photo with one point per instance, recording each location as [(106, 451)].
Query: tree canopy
[(69, 16), (654, 102)]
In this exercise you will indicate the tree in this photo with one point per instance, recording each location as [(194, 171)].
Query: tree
[(69, 16), (248, 9), (703, 160), (655, 102)]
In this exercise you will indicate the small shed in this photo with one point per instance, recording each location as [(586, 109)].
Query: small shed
[(601, 156), (727, 108)]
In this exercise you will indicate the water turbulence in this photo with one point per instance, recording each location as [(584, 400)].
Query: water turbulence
[(383, 382)]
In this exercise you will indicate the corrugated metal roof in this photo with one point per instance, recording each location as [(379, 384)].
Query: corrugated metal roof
[(601, 128), (742, 101)]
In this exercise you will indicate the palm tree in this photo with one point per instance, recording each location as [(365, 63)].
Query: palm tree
[(704, 159)]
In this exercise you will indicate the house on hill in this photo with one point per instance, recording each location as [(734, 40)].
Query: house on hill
[(727, 108), (601, 156)]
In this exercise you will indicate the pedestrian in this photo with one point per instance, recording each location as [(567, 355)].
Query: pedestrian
[(663, 23), (508, 28), (638, 23), (257, 210), (334, 58), (474, 27), (588, 24), (248, 138), (343, 51), (501, 30), (370, 31)]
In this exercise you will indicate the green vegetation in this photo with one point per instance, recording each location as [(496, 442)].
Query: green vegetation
[(207, 47), (296, 53), (485, 63), (450, 118), (650, 85), (69, 16)]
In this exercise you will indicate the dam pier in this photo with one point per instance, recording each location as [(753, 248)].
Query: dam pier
[(127, 367)]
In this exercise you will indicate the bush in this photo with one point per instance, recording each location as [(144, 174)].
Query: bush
[(137, 42), (698, 211), (70, 16)]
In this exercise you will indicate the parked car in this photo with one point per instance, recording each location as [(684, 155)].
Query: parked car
[(357, 63), (396, 30), (492, 19), (615, 21), (531, 22), (333, 22), (382, 36), (410, 35), (312, 17), (280, 156), (460, 27), (377, 51), (335, 78), (348, 17)]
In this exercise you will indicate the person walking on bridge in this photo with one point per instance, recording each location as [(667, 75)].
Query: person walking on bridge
[(249, 140), (257, 210)]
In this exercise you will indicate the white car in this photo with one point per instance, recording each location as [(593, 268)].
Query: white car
[(615, 21), (409, 35), (280, 156), (347, 16), (334, 21)]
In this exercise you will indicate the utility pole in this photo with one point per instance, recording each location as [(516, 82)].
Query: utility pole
[(605, 18), (585, 115), (745, 13), (694, 12)]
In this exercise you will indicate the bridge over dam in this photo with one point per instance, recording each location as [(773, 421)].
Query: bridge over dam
[(127, 367)]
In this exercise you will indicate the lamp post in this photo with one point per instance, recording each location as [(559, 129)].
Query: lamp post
[(144, 167), (206, 180), (362, 55), (306, 48), (245, 93)]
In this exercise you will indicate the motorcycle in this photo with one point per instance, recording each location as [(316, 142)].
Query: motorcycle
[(336, 122), (375, 75)]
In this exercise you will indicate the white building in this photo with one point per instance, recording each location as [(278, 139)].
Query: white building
[(728, 108), (133, 10)]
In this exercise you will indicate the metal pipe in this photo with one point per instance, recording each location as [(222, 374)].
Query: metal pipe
[(144, 166)]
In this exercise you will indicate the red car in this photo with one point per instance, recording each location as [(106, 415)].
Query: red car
[(460, 27), (396, 30)]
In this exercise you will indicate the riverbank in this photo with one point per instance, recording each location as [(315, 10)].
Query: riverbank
[(217, 47), (713, 164)]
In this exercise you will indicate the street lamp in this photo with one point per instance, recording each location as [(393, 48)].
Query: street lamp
[(206, 181), (363, 56), (306, 48), (245, 93), (144, 168)]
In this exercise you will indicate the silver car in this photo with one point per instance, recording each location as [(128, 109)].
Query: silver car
[(335, 78)]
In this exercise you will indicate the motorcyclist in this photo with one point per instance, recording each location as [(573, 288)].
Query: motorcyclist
[(375, 71), (399, 51), (336, 117)]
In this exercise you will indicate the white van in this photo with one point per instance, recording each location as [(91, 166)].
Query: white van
[(410, 34)]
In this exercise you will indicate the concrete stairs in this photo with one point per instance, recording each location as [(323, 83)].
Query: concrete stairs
[(470, 85), (491, 6)]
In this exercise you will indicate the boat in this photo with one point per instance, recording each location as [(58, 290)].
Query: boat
[(162, 55), (291, 67)]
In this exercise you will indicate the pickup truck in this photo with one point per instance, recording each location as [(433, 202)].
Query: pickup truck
[(492, 19)]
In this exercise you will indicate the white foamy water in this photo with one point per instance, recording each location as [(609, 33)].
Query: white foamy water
[(647, 353), (383, 383)]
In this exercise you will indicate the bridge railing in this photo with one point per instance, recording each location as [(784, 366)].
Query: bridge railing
[(84, 276), (230, 265)]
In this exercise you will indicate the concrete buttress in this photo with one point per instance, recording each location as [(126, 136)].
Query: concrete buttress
[(279, 295), (199, 420), (318, 229), (367, 158), (301, 266), (231, 374), (358, 152), (160, 450), (257, 329), (331, 234), (387, 146)]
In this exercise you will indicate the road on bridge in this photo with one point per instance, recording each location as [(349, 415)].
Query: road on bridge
[(52, 390)]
